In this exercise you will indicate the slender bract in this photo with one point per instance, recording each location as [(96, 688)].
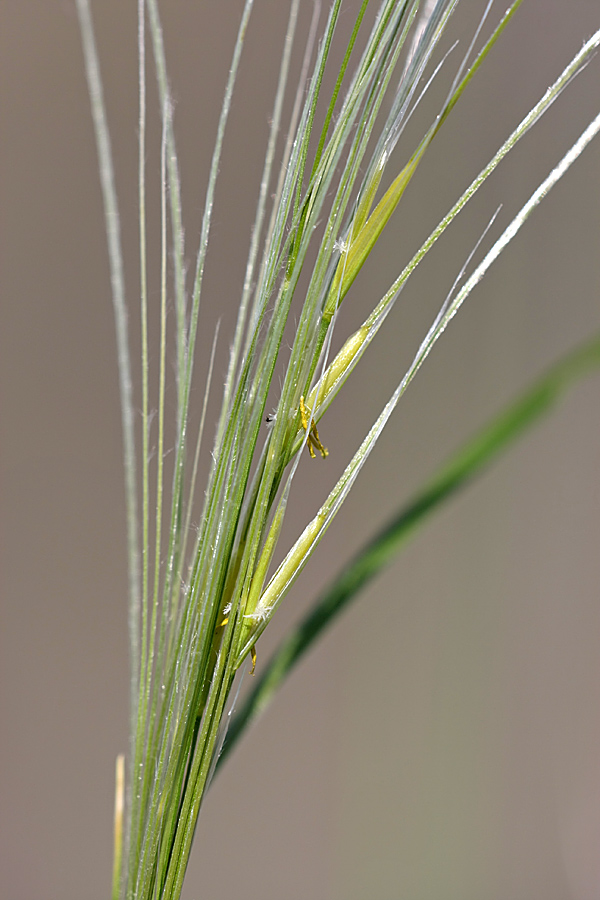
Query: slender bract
[(200, 598)]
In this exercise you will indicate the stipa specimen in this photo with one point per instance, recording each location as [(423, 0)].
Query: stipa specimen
[(200, 600)]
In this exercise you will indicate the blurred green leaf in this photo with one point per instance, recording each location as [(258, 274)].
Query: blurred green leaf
[(470, 461)]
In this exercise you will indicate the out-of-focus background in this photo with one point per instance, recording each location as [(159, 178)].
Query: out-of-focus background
[(441, 743)]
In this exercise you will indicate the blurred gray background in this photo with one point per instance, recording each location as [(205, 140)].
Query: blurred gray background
[(441, 743)]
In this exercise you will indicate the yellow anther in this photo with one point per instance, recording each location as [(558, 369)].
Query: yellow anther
[(253, 655), (303, 414), (224, 622), (313, 435), (316, 440)]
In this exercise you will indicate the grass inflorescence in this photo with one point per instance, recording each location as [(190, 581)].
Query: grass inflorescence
[(200, 598)]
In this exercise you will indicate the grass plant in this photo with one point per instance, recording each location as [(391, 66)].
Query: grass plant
[(200, 597)]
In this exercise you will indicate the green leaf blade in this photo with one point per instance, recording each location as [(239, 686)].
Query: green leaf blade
[(469, 462)]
